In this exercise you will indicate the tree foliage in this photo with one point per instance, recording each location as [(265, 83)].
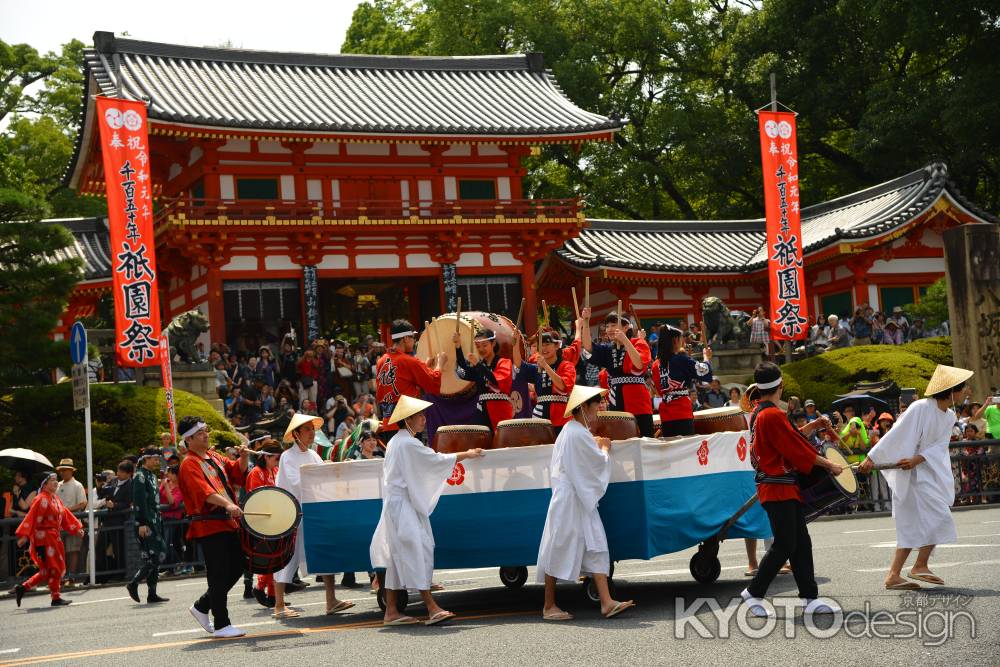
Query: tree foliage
[(34, 288), (881, 89), (933, 306)]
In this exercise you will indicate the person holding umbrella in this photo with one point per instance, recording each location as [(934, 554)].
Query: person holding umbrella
[(46, 517)]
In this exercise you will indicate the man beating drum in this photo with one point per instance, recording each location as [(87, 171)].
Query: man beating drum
[(302, 432)]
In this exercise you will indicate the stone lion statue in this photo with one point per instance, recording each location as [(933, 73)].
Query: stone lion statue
[(184, 331), (721, 326)]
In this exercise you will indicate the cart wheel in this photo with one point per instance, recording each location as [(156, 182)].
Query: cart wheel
[(402, 599), (704, 568), (513, 577), (590, 589)]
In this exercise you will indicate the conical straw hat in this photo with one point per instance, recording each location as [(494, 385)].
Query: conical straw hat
[(580, 395), (298, 419), (407, 407), (946, 377)]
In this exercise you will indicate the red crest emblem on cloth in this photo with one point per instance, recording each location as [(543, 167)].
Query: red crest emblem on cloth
[(457, 475), (741, 449), (703, 453)]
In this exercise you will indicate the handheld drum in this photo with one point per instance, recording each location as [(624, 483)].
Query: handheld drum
[(460, 437), (719, 420), (823, 492), (616, 425), (524, 433), (270, 521)]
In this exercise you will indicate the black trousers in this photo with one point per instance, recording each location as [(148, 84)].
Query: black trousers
[(792, 544), (224, 565), (676, 427), (645, 423)]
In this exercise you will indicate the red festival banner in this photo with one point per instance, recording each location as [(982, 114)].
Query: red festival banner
[(779, 154), (124, 141), (168, 384)]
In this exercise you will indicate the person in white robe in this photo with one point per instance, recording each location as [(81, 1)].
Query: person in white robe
[(923, 488), (573, 540), (301, 432), (413, 479)]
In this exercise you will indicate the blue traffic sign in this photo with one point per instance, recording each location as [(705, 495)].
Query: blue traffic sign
[(78, 343)]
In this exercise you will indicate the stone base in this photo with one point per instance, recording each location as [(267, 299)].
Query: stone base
[(740, 361), (200, 383)]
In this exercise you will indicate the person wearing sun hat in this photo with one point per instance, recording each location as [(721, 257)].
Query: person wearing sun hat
[(301, 433), (923, 487), (573, 540), (413, 478)]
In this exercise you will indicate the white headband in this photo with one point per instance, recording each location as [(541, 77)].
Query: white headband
[(403, 334), (769, 385), (194, 429)]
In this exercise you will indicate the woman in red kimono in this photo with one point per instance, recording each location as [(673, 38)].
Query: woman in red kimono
[(41, 526), (263, 474)]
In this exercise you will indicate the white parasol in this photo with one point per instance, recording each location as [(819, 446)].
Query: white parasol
[(25, 460)]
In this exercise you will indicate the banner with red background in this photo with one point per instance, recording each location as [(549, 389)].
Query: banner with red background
[(124, 146), (789, 308)]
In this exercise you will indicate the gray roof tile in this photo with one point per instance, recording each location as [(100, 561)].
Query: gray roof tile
[(738, 246), (479, 95)]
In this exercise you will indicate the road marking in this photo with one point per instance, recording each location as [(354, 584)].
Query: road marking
[(627, 576), (885, 567), (10, 650), (35, 660), (868, 530), (77, 603), (200, 582)]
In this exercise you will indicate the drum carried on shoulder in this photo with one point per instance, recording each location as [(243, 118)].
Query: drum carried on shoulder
[(719, 420), (524, 433), (271, 518), (616, 426)]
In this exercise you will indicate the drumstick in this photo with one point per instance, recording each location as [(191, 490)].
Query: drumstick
[(545, 312), (256, 514), (576, 305), (619, 322), (586, 292), (430, 347), (520, 313), (458, 315), (878, 466)]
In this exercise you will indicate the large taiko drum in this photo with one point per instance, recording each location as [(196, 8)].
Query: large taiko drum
[(524, 433), (270, 520), (719, 420), (616, 425), (823, 492), (437, 338), (460, 437)]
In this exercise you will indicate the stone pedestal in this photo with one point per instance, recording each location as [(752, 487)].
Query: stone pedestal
[(972, 261), (198, 382), (735, 365)]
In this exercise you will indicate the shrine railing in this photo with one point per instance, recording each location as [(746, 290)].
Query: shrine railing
[(243, 209)]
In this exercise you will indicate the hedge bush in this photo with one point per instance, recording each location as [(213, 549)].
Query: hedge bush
[(124, 419), (825, 376)]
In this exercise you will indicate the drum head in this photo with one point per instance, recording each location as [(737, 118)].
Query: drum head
[(463, 428), (846, 479), (527, 421), (437, 338), (609, 414), (280, 505), (714, 413)]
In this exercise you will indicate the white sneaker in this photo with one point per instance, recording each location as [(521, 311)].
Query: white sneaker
[(757, 606), (203, 620), (228, 632), (821, 606)]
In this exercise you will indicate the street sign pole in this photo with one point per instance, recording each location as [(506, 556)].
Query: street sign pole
[(81, 401)]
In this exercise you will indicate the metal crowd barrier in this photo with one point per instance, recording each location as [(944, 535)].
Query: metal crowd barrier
[(117, 549)]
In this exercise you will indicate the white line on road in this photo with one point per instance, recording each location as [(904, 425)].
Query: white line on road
[(200, 582), (935, 566), (9, 650), (77, 603), (868, 530), (626, 576)]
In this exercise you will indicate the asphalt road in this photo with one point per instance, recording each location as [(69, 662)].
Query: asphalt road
[(501, 626)]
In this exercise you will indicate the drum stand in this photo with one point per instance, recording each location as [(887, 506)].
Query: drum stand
[(704, 565)]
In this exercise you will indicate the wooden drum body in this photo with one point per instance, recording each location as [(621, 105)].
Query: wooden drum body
[(719, 420), (823, 492), (524, 433), (460, 437), (437, 338), (616, 425)]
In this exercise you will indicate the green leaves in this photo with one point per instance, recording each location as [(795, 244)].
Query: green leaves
[(881, 89)]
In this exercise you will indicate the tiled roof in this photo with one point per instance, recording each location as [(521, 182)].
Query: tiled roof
[(738, 246), (232, 88), (91, 245)]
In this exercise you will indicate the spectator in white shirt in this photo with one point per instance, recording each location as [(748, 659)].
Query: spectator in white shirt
[(74, 497)]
